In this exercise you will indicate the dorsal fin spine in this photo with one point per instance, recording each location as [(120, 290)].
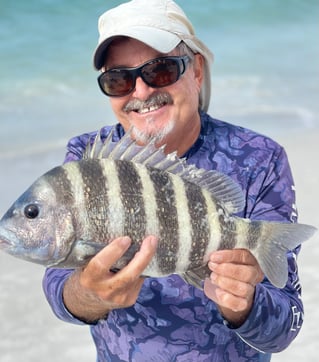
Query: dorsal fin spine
[(107, 145), (120, 148), (221, 186)]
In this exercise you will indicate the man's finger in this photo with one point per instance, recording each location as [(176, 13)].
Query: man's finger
[(237, 256), (142, 258), (103, 261)]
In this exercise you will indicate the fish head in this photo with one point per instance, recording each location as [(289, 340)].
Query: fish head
[(36, 228)]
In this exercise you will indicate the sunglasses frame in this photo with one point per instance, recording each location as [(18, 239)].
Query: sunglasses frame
[(180, 61)]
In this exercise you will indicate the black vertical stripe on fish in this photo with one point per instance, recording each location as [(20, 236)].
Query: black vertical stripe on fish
[(131, 191), (228, 229), (59, 180), (254, 233), (167, 250), (95, 197), (199, 224)]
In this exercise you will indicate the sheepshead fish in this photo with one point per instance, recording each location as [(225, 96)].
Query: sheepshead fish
[(71, 212)]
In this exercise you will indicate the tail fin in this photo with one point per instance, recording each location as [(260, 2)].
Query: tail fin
[(276, 240)]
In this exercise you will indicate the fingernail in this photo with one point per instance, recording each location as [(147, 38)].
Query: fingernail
[(212, 266), (215, 257), (125, 241), (153, 241), (213, 277)]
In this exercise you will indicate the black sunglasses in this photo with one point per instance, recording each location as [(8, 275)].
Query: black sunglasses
[(156, 73)]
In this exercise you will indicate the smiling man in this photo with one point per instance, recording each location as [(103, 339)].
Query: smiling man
[(165, 106), (162, 97), (156, 73)]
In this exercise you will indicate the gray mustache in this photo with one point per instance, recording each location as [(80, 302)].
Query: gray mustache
[(157, 99)]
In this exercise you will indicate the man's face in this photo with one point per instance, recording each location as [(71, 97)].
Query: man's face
[(173, 115)]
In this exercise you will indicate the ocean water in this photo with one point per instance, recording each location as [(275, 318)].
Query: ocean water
[(265, 76)]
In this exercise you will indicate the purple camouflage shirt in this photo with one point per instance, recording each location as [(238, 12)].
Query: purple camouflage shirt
[(173, 321)]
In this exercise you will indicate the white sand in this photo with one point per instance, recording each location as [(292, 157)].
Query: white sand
[(30, 332)]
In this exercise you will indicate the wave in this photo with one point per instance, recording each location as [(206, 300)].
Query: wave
[(281, 116), (271, 102), (56, 147)]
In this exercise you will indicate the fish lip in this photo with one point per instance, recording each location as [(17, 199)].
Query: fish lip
[(11, 244), (8, 241), (5, 244)]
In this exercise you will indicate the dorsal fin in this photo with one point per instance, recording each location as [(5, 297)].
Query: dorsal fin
[(221, 186)]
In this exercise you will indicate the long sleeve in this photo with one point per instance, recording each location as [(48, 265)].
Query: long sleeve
[(53, 284), (277, 314), (275, 320)]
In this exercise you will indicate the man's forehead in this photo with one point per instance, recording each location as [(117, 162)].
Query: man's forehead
[(121, 46)]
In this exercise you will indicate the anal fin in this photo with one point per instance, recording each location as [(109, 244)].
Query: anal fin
[(197, 276)]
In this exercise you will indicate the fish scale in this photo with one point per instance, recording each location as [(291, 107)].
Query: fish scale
[(95, 200), (167, 220), (200, 226), (131, 191)]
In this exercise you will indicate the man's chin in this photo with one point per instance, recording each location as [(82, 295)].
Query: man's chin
[(151, 131)]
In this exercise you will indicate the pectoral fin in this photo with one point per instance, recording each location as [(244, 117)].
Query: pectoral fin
[(80, 254)]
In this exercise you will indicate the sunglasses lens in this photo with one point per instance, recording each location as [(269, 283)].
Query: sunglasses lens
[(116, 82), (161, 72)]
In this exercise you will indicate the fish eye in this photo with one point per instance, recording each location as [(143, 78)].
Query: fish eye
[(31, 211)]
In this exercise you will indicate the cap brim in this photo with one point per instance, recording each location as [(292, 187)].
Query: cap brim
[(161, 40)]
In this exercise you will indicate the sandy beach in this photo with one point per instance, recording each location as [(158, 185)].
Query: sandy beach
[(30, 332)]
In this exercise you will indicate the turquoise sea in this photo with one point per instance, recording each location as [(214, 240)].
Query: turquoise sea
[(265, 74)]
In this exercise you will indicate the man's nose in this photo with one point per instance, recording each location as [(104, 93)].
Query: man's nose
[(142, 90)]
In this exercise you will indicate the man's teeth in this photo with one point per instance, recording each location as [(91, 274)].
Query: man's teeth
[(148, 109)]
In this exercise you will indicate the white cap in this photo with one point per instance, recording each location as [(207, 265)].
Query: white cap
[(160, 24)]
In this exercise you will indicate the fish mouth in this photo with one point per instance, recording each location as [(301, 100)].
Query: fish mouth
[(10, 244), (5, 244), (8, 240)]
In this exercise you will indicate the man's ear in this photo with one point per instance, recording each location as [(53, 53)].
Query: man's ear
[(199, 70)]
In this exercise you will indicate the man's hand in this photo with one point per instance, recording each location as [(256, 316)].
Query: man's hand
[(235, 274), (90, 293)]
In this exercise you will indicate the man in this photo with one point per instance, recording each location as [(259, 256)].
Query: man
[(156, 73)]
